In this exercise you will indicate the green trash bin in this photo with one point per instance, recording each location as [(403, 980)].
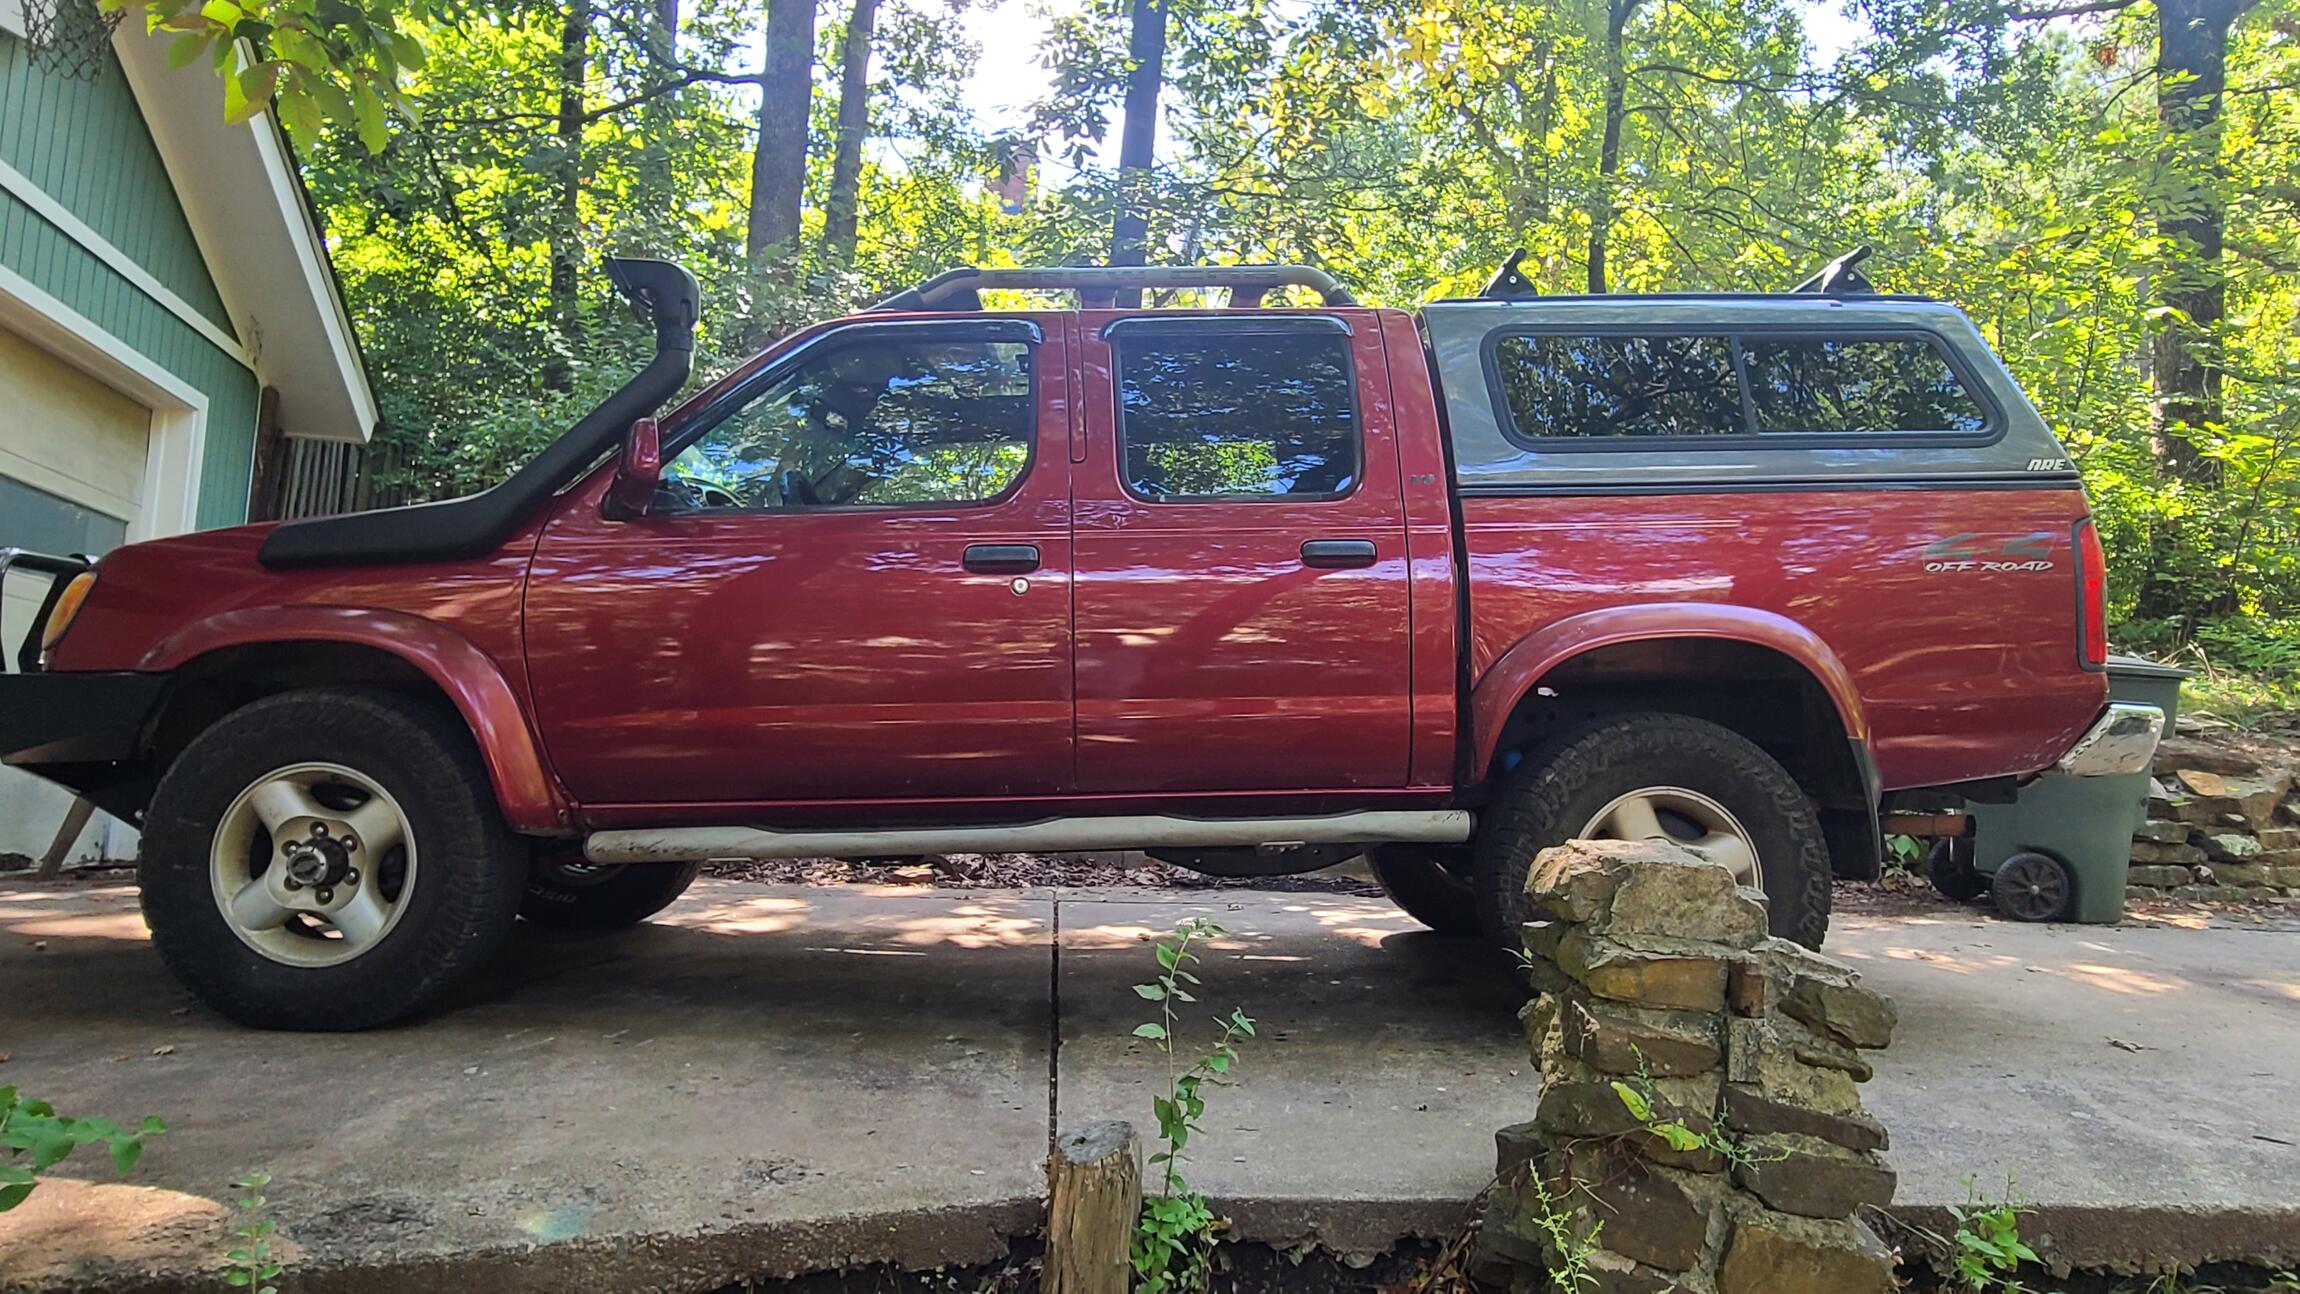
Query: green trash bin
[(2060, 851)]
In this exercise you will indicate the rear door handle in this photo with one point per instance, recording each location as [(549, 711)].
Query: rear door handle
[(1338, 553), (1001, 559)]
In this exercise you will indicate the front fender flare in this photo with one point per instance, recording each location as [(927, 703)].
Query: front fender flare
[(530, 799), (1520, 669)]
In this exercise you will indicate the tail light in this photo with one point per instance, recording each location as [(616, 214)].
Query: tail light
[(2091, 597)]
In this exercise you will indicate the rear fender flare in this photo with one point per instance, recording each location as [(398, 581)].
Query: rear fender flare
[(469, 678), (1520, 669)]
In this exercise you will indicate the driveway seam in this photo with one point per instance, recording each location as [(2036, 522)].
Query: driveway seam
[(1054, 1023)]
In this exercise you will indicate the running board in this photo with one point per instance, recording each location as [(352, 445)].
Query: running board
[(1053, 835)]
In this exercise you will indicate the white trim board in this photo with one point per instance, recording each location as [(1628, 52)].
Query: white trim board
[(179, 434), (56, 213)]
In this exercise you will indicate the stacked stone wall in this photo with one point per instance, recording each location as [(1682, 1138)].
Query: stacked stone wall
[(1700, 1125), (2221, 826)]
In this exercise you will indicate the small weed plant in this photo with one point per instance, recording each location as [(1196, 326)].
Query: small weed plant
[(252, 1266), (36, 1139), (1174, 1240), (1571, 1247), (1986, 1246), (1644, 1105)]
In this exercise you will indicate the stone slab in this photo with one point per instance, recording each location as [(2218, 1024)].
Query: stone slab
[(867, 1071), (769, 1080), (1365, 1107)]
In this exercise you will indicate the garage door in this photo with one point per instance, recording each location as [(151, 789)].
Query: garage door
[(72, 454)]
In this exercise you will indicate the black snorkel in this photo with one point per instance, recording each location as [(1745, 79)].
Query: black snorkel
[(659, 292)]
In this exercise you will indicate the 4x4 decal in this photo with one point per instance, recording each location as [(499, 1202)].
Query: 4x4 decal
[(1968, 552)]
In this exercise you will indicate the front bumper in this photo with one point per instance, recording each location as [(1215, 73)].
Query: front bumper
[(2123, 740), (75, 718)]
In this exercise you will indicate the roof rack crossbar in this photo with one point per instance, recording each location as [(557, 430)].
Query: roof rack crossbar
[(961, 289)]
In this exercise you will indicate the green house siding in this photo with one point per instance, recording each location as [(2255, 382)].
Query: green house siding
[(84, 144)]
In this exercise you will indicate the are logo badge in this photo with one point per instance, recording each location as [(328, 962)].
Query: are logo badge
[(1952, 554)]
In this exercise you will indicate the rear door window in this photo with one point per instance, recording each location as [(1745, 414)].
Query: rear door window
[(1560, 387), (1214, 413), (1858, 384)]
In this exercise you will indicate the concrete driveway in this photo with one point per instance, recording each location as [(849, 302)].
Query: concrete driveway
[(781, 1079)]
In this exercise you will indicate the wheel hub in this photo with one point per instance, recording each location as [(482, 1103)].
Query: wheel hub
[(319, 860)]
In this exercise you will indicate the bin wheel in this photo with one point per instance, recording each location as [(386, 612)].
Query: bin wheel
[(1949, 866), (2034, 887)]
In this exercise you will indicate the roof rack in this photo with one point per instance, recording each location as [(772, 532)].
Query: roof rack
[(1509, 283), (1098, 286), (1841, 277)]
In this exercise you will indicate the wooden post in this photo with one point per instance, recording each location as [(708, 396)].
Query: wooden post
[(1094, 1195), (75, 822)]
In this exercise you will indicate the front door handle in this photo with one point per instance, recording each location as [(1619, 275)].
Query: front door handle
[(1001, 559), (1338, 553)]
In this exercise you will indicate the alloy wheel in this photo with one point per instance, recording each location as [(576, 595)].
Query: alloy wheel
[(313, 864), (1688, 819)]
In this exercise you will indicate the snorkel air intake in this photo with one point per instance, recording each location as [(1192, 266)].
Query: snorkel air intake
[(660, 293)]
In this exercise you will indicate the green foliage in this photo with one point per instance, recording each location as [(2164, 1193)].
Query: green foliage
[(321, 61), (1644, 1104), (37, 1139), (1174, 1241), (1986, 1246), (252, 1266), (1568, 1246)]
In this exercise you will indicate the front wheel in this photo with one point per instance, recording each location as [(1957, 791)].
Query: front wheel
[(1655, 776), (566, 893), (329, 859)]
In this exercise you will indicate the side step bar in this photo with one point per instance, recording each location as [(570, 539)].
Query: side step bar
[(1053, 835)]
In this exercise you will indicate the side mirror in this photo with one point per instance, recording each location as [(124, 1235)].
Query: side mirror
[(638, 472)]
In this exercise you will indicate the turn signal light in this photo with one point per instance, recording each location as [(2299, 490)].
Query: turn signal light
[(67, 609), (2091, 597)]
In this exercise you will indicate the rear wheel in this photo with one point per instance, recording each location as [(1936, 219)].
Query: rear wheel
[(1430, 882), (1655, 776), (1949, 866), (329, 859), (566, 893)]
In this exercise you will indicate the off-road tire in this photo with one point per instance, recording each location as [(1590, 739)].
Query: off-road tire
[(622, 895), (1429, 891), (466, 890), (1949, 866), (1558, 787)]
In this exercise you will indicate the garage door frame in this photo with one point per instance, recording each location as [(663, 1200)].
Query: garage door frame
[(172, 457)]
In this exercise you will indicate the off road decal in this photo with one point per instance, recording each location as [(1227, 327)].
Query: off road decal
[(1954, 554)]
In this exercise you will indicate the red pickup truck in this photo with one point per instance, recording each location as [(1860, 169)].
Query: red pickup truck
[(1253, 588)]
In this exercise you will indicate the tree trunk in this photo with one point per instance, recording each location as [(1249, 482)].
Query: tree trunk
[(779, 166), (566, 225), (2192, 56), (1138, 140), (1617, 14), (1094, 1194), (2190, 210), (840, 215)]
